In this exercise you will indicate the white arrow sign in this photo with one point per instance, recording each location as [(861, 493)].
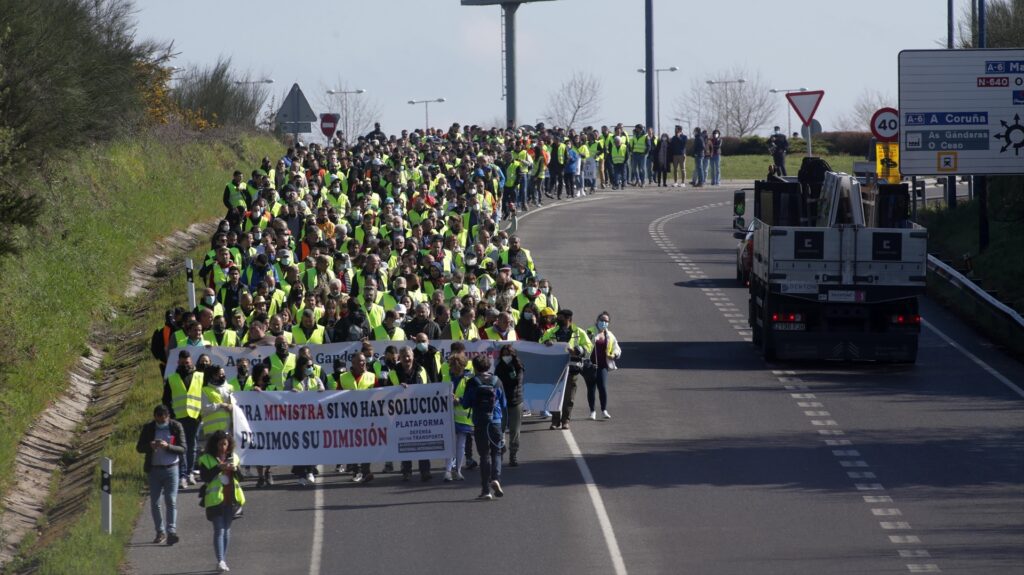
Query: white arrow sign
[(805, 104)]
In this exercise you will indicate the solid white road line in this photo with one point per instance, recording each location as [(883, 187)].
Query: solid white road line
[(318, 530), (991, 370), (595, 497)]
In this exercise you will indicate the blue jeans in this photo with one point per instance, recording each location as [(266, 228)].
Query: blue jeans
[(700, 170), (164, 481), (222, 517), (619, 175), (638, 164), (488, 446), (715, 169), (188, 462), (524, 190)]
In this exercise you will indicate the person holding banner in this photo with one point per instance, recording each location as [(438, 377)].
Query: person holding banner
[(183, 393), (357, 378), (408, 373), (218, 401), (579, 347), (303, 379), (485, 397), (222, 493), (456, 371)]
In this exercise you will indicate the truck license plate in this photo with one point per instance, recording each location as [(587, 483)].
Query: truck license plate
[(845, 296), (789, 326)]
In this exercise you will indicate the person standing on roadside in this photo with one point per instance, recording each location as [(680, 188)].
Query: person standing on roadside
[(486, 398), (699, 150), (163, 442), (218, 469), (662, 156), (677, 149), (715, 157)]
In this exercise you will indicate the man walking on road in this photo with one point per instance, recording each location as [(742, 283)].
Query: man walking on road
[(486, 398), (163, 442), (579, 347)]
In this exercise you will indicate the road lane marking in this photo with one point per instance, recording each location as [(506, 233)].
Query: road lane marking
[(318, 530), (977, 360), (595, 497)]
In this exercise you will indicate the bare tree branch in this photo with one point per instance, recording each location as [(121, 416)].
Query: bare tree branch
[(576, 102), (736, 108), (859, 118)]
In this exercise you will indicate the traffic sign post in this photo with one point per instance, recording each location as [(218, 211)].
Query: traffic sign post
[(965, 120), (805, 104), (329, 124), (885, 125), (295, 114)]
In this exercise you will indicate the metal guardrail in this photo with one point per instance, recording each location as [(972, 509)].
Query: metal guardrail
[(959, 280)]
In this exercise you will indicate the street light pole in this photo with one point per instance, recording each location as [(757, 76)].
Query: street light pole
[(426, 110), (789, 109), (725, 83), (657, 89), (346, 132)]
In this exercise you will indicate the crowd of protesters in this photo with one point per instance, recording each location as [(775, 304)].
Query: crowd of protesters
[(382, 239)]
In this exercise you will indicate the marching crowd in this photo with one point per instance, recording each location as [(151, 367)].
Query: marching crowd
[(380, 240)]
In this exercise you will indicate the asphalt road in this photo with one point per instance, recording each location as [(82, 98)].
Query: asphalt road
[(713, 462)]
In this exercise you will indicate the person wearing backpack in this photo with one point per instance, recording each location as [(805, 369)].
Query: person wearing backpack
[(485, 396)]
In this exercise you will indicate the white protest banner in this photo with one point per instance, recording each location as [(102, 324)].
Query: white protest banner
[(546, 370), (326, 428), (544, 365)]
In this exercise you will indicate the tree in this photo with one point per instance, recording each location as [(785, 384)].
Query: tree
[(357, 112), (576, 102), (723, 102), (219, 96), (1004, 24), (859, 118)]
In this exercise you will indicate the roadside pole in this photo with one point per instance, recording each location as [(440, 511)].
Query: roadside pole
[(106, 497)]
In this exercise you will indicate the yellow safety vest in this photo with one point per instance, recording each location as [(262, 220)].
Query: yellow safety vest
[(463, 415), (279, 370), (393, 376), (218, 419), (458, 334), (639, 144), (347, 381), (493, 335), (619, 154), (186, 402), (215, 488), (299, 336), (381, 334), (228, 339)]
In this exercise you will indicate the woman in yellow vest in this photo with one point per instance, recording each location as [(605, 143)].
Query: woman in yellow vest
[(463, 418), (222, 493)]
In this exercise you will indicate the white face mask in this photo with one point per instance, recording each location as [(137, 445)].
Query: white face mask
[(545, 290), (421, 346), (507, 359)]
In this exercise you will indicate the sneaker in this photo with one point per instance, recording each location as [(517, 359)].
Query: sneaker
[(546, 414), (339, 468), (471, 463), (160, 538), (447, 476), (191, 480), (605, 414), (513, 461), (260, 482), (358, 478), (406, 475), (367, 478), (459, 476), (172, 538), (311, 478), (303, 481), (527, 413), (682, 185), (555, 426), (496, 488), (389, 467), (183, 484), (593, 415), (222, 567), (485, 496), (270, 479), (565, 426)]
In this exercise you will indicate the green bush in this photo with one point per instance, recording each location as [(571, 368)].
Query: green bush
[(219, 97), (849, 143)]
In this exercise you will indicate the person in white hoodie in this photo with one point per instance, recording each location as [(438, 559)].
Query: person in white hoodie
[(606, 352)]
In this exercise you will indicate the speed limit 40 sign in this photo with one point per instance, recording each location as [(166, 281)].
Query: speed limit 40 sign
[(885, 124)]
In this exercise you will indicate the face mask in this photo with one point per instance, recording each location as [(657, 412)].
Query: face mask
[(209, 300), (531, 291), (256, 237), (285, 260), (163, 425), (528, 316), (309, 371), (507, 359), (545, 290), (602, 325), (456, 314), (456, 286), (422, 347), (491, 300)]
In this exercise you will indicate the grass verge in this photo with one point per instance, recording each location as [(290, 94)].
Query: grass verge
[(105, 206), (756, 167), (83, 548)]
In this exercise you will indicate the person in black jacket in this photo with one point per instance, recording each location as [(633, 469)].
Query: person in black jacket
[(163, 442), (510, 371), (677, 149)]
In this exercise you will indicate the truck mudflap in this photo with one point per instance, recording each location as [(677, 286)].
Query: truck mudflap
[(883, 347)]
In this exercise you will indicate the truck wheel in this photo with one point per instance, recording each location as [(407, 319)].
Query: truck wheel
[(755, 330), (767, 346)]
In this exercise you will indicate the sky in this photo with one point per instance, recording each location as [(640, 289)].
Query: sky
[(399, 50)]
